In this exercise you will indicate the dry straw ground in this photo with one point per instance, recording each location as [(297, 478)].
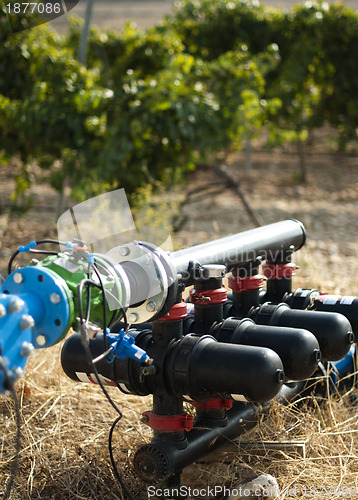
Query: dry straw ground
[(65, 425)]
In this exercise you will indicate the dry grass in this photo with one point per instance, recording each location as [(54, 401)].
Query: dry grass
[(64, 435), (65, 429), (328, 426)]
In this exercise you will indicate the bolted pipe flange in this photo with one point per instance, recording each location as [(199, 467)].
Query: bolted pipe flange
[(26, 321), (55, 298), (41, 340), (26, 349), (15, 305), (46, 298), (133, 317), (148, 280), (18, 278), (151, 306), (2, 311)]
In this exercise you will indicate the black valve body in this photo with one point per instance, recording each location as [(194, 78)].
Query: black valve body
[(332, 330), (297, 348), (194, 365)]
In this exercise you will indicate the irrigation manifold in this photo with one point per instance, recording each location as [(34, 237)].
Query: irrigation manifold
[(226, 354)]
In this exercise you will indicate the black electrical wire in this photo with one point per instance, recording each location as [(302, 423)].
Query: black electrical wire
[(54, 242), (43, 252), (105, 347), (117, 315), (80, 287), (85, 343), (88, 306), (11, 260), (114, 466), (121, 309), (39, 242), (15, 465)]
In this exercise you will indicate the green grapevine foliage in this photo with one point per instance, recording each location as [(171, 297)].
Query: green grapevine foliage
[(150, 105)]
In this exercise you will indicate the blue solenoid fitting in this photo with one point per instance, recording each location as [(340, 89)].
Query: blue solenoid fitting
[(124, 347)]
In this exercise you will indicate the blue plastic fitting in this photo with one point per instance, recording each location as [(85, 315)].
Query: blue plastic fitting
[(27, 248), (90, 258), (340, 368), (124, 347)]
